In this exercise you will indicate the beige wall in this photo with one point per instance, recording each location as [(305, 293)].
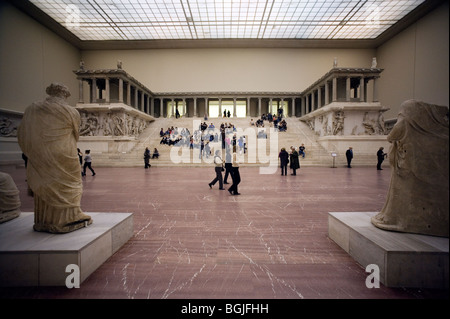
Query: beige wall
[(236, 70), (31, 57), (416, 63)]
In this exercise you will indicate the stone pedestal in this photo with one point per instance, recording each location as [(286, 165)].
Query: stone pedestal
[(30, 258), (404, 260)]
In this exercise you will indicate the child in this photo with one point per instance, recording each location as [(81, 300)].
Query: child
[(88, 163)]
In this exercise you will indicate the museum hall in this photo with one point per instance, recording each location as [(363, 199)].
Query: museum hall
[(224, 155)]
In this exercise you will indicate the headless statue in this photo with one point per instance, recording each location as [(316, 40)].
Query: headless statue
[(48, 136), (418, 197)]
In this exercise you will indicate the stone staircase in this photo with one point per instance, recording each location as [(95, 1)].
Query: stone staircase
[(259, 151)]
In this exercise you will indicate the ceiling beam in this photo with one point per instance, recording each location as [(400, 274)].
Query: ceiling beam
[(50, 23)]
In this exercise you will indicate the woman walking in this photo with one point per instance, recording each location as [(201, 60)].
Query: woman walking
[(295, 164)]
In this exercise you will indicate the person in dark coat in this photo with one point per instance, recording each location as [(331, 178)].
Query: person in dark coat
[(295, 163), (147, 158), (349, 155), (380, 157), (228, 165), (284, 160), (236, 176)]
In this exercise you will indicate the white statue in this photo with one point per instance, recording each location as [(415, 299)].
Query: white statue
[(9, 198), (374, 63), (335, 63), (418, 200), (48, 136)]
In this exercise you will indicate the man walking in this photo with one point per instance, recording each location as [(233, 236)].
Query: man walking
[(380, 157), (349, 155), (218, 169)]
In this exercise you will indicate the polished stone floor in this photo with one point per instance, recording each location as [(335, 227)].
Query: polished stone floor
[(193, 242)]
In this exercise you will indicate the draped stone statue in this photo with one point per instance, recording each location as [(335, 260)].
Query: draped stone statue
[(418, 197), (48, 136), (9, 198)]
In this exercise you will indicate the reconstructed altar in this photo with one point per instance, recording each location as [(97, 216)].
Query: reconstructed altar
[(115, 111), (343, 110)]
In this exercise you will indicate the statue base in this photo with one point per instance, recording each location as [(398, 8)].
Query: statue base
[(404, 259), (31, 258)]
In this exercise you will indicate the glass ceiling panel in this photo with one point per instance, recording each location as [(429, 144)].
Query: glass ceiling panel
[(226, 19)]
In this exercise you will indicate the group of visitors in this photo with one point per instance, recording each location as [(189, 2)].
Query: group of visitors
[(147, 158), (201, 137), (231, 167), (381, 155), (274, 120), (291, 158)]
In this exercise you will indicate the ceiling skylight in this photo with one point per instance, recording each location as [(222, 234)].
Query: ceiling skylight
[(227, 19)]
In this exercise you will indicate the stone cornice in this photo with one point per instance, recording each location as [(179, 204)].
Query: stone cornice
[(110, 73), (368, 73), (215, 95)]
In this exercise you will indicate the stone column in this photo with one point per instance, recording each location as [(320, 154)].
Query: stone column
[(334, 89), (313, 101), (152, 106), (80, 91), (148, 104), (361, 90), (327, 94), (94, 90), (319, 98), (142, 108), (375, 89), (161, 107), (107, 91), (206, 107), (120, 91), (248, 107), (259, 107), (307, 104), (220, 107), (173, 107), (136, 99), (366, 98), (184, 107), (293, 107), (234, 107), (347, 89), (195, 107), (129, 94), (303, 106)]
